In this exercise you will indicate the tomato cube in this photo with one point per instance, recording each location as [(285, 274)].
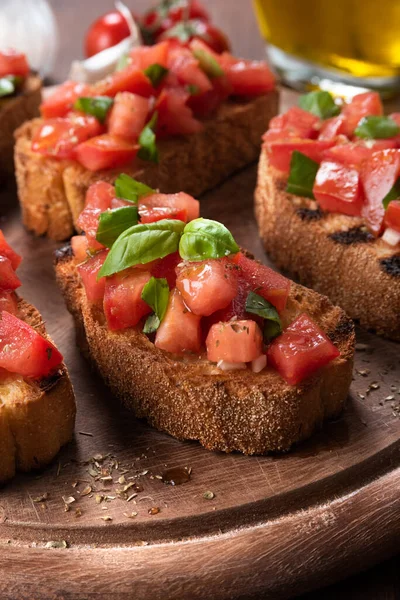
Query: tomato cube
[(8, 252), (331, 128), (99, 198), (58, 137), (392, 216), (338, 189), (105, 152), (180, 330), (235, 341), (8, 278), (165, 268), (8, 301), (88, 271), (174, 116), (158, 213), (378, 176), (129, 79), (143, 57), (362, 105), (123, 304), (248, 77), (128, 116), (280, 152), (80, 248), (60, 102), (177, 202), (296, 121), (13, 62)]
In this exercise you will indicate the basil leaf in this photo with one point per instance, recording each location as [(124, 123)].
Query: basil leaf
[(183, 31), (142, 243), (257, 305), (129, 189), (113, 222), (147, 141), (156, 294), (7, 87), (98, 106), (376, 128), (203, 238), (319, 103), (193, 89), (302, 175), (393, 194), (156, 74), (123, 62), (208, 63)]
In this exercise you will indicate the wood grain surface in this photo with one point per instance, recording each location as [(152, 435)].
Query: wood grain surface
[(273, 527)]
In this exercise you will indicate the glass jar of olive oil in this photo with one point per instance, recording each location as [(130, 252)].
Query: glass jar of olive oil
[(327, 42)]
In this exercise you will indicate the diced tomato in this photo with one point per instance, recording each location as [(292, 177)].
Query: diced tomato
[(379, 174), (8, 278), (301, 350), (362, 105), (60, 102), (128, 116), (24, 351), (129, 79), (392, 215), (350, 155), (178, 202), (296, 121), (208, 285), (331, 128), (204, 105), (13, 62), (105, 152), (280, 152), (8, 301), (80, 248), (247, 77), (236, 309), (98, 199), (166, 268), (123, 304), (143, 57), (150, 215), (88, 271), (186, 67), (264, 281), (237, 341), (180, 330), (59, 137), (337, 188), (8, 252), (174, 116)]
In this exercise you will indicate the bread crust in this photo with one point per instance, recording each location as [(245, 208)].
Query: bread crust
[(52, 192), (334, 254), (13, 112), (192, 399), (36, 417)]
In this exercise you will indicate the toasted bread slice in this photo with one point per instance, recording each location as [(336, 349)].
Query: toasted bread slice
[(334, 254), (192, 399), (52, 192), (36, 417), (13, 112)]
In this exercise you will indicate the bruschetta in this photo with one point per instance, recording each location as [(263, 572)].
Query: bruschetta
[(192, 333), (175, 117), (328, 203), (37, 405)]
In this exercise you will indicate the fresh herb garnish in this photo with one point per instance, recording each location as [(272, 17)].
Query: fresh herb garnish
[(303, 171), (114, 222), (257, 305), (147, 141), (98, 106), (123, 62), (9, 85), (156, 74), (193, 89), (208, 63), (142, 243), (319, 103), (393, 194), (203, 239), (376, 128), (156, 294), (129, 189), (183, 31)]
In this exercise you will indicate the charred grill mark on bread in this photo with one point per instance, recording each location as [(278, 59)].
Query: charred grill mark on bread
[(309, 214), (63, 253), (355, 235), (391, 265)]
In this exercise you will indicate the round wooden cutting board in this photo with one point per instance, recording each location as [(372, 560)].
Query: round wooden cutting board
[(100, 522)]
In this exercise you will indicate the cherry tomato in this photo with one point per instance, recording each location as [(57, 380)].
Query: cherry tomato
[(13, 63), (107, 31)]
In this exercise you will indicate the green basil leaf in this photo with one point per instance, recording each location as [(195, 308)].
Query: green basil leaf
[(208, 63), (376, 128), (203, 239), (113, 222), (7, 87), (98, 106), (302, 175), (129, 189), (393, 194), (319, 103), (156, 74), (141, 244), (193, 89), (257, 305), (183, 31), (123, 62), (156, 294), (147, 141)]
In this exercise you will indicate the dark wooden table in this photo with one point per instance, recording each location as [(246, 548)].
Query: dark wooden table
[(236, 17)]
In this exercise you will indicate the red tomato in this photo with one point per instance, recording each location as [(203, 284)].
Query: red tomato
[(24, 351), (8, 278), (8, 252), (362, 105), (174, 116), (238, 341), (60, 102), (301, 350), (180, 330), (88, 271), (235, 309), (123, 304), (13, 63), (80, 247), (143, 57), (105, 152), (128, 116), (331, 128), (129, 79), (58, 137), (107, 31), (296, 121), (8, 301), (280, 152), (204, 105), (248, 77), (193, 29), (178, 202), (350, 155), (98, 199), (208, 285), (166, 268), (158, 213), (378, 175), (392, 216), (264, 281), (185, 66), (337, 188), (165, 15)]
